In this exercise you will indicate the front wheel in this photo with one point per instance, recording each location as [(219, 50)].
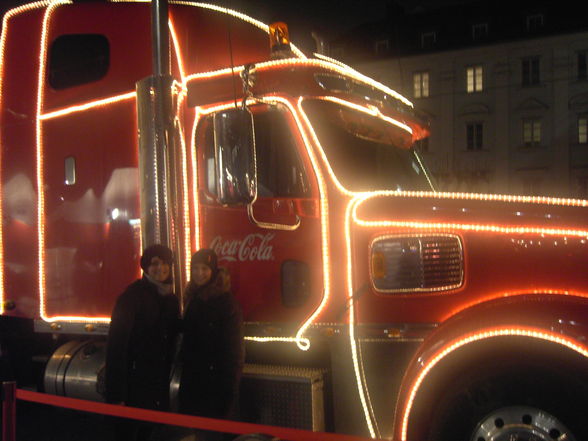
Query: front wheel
[(521, 423), (512, 405)]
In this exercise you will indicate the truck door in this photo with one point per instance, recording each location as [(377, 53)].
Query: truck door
[(88, 142), (271, 245)]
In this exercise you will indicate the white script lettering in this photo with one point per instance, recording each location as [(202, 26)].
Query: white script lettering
[(254, 246)]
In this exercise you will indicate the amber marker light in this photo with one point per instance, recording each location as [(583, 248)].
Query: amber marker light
[(474, 337), (279, 39)]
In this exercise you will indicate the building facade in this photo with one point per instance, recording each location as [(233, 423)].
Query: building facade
[(507, 101)]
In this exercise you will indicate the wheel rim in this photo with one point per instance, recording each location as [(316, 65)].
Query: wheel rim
[(521, 423)]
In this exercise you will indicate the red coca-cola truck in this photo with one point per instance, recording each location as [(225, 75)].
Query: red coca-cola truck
[(374, 304)]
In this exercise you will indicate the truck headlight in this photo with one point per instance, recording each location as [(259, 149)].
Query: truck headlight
[(401, 263)]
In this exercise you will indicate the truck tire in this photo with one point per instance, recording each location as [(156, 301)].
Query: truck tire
[(518, 403)]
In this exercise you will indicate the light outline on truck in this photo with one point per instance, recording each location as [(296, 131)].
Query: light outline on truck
[(224, 10), (449, 226), (338, 68), (302, 342), (352, 217), (455, 344)]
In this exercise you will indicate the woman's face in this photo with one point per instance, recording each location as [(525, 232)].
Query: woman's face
[(201, 274), (158, 270)]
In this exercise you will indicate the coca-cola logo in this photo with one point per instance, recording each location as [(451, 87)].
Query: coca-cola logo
[(255, 246)]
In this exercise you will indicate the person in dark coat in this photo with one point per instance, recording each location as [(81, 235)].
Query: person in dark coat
[(143, 327), (212, 350)]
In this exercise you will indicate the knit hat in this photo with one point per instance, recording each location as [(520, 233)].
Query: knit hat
[(161, 251), (206, 257)]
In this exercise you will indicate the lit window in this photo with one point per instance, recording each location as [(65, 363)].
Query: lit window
[(474, 75), (474, 136), (582, 65), (534, 22), (530, 71), (583, 130), (531, 132), (479, 31), (428, 40), (421, 84)]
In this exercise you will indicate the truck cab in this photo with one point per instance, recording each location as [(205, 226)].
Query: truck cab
[(395, 305)]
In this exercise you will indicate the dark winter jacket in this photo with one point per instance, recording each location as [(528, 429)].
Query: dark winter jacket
[(212, 351), (139, 353)]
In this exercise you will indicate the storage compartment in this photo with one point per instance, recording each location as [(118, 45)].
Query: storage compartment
[(283, 396)]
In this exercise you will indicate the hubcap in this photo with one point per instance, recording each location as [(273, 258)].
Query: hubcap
[(521, 423)]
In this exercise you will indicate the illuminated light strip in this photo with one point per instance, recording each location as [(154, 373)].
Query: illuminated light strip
[(357, 365), (236, 14), (487, 197), (7, 16), (424, 169), (371, 110), (327, 65), (181, 96), (472, 227), (477, 336), (322, 153), (305, 341), (39, 169), (331, 60), (372, 82), (76, 319), (499, 229), (325, 233), (195, 197), (302, 342), (185, 198), (367, 392), (361, 386), (86, 106), (443, 195), (352, 211), (177, 50), (510, 294)]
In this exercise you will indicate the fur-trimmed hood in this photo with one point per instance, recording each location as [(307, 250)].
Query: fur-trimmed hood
[(219, 283)]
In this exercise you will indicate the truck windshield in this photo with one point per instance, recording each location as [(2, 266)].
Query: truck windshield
[(365, 152)]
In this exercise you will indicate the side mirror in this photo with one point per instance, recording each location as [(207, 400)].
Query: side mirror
[(235, 156)]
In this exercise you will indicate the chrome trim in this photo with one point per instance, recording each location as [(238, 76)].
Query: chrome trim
[(271, 225)]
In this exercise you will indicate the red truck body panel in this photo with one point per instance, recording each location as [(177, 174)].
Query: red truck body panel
[(69, 248)]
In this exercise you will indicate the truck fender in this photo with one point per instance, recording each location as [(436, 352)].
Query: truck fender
[(506, 329)]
